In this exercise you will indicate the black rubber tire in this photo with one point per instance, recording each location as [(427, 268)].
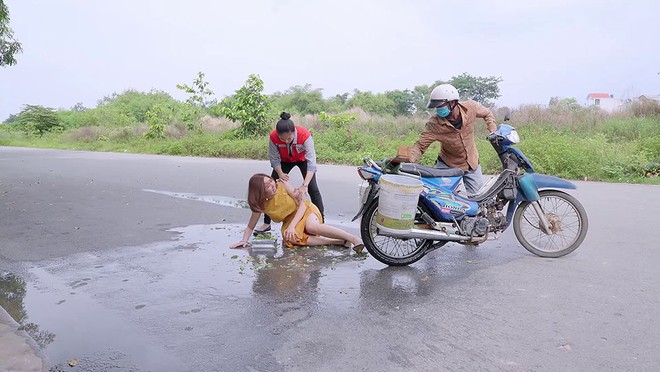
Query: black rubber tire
[(569, 212), (368, 230)]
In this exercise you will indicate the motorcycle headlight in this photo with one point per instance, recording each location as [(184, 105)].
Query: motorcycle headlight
[(513, 136), (364, 174)]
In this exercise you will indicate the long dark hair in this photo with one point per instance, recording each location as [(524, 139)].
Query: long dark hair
[(285, 125), (257, 192)]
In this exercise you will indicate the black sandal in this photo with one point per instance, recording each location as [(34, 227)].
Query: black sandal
[(358, 248), (257, 232)]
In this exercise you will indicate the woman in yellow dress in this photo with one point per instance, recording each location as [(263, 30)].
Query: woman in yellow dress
[(302, 224)]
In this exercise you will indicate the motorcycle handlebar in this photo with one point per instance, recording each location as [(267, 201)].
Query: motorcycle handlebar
[(370, 162)]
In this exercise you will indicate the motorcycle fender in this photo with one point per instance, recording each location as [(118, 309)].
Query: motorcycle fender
[(373, 192), (528, 187), (543, 181)]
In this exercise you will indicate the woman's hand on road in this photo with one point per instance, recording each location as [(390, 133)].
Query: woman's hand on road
[(241, 244)]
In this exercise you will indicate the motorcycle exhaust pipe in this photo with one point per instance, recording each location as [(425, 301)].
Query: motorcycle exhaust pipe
[(425, 234)]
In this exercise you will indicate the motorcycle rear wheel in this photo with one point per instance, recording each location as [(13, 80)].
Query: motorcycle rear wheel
[(567, 217), (388, 250)]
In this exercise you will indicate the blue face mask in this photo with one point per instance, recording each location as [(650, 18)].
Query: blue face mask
[(443, 112)]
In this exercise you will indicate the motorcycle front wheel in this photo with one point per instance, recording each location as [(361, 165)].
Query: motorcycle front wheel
[(568, 225), (388, 250)]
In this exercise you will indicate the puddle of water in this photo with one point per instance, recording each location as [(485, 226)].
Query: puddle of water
[(193, 300), (176, 290), (81, 326), (190, 298)]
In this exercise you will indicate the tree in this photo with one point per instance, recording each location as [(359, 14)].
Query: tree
[(564, 103), (8, 45), (299, 99), (248, 107), (337, 103), (404, 101), (34, 119), (11, 119), (377, 104), (78, 107), (480, 89), (421, 95), (200, 92), (199, 102)]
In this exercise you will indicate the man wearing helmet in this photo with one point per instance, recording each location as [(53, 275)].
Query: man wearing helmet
[(453, 126)]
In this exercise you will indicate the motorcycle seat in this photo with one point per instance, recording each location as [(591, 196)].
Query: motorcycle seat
[(426, 171)]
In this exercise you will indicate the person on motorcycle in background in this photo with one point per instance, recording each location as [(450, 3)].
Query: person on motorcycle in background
[(453, 126), (292, 146)]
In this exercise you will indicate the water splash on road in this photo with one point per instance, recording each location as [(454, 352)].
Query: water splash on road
[(228, 201), (220, 200)]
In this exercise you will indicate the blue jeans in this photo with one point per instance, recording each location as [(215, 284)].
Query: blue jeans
[(472, 178)]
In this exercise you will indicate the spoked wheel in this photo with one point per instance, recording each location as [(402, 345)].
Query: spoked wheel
[(388, 250), (567, 219)]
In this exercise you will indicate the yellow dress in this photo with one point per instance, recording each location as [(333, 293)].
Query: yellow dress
[(282, 208)]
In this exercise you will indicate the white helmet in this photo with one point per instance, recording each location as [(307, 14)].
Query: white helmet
[(441, 94)]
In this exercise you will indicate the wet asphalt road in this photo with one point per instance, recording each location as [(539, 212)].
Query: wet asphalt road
[(124, 265)]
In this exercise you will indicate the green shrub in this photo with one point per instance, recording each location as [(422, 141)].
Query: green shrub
[(552, 152), (157, 117), (652, 170), (36, 120), (136, 104), (338, 121), (651, 147), (624, 165), (631, 129), (645, 108), (87, 134), (569, 142)]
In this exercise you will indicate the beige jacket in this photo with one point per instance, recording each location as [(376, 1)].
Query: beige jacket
[(458, 147)]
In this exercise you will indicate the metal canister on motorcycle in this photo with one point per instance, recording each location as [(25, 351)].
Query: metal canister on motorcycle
[(397, 203)]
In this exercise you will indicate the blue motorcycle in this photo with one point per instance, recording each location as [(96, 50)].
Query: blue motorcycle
[(546, 221)]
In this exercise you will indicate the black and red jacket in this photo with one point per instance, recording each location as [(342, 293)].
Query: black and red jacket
[(295, 151)]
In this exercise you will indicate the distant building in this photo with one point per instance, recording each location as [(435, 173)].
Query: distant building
[(649, 97), (604, 101)]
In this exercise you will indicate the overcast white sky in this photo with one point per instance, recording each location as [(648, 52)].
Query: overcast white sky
[(80, 51)]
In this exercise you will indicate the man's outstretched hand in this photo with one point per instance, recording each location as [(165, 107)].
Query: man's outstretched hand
[(402, 155)]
